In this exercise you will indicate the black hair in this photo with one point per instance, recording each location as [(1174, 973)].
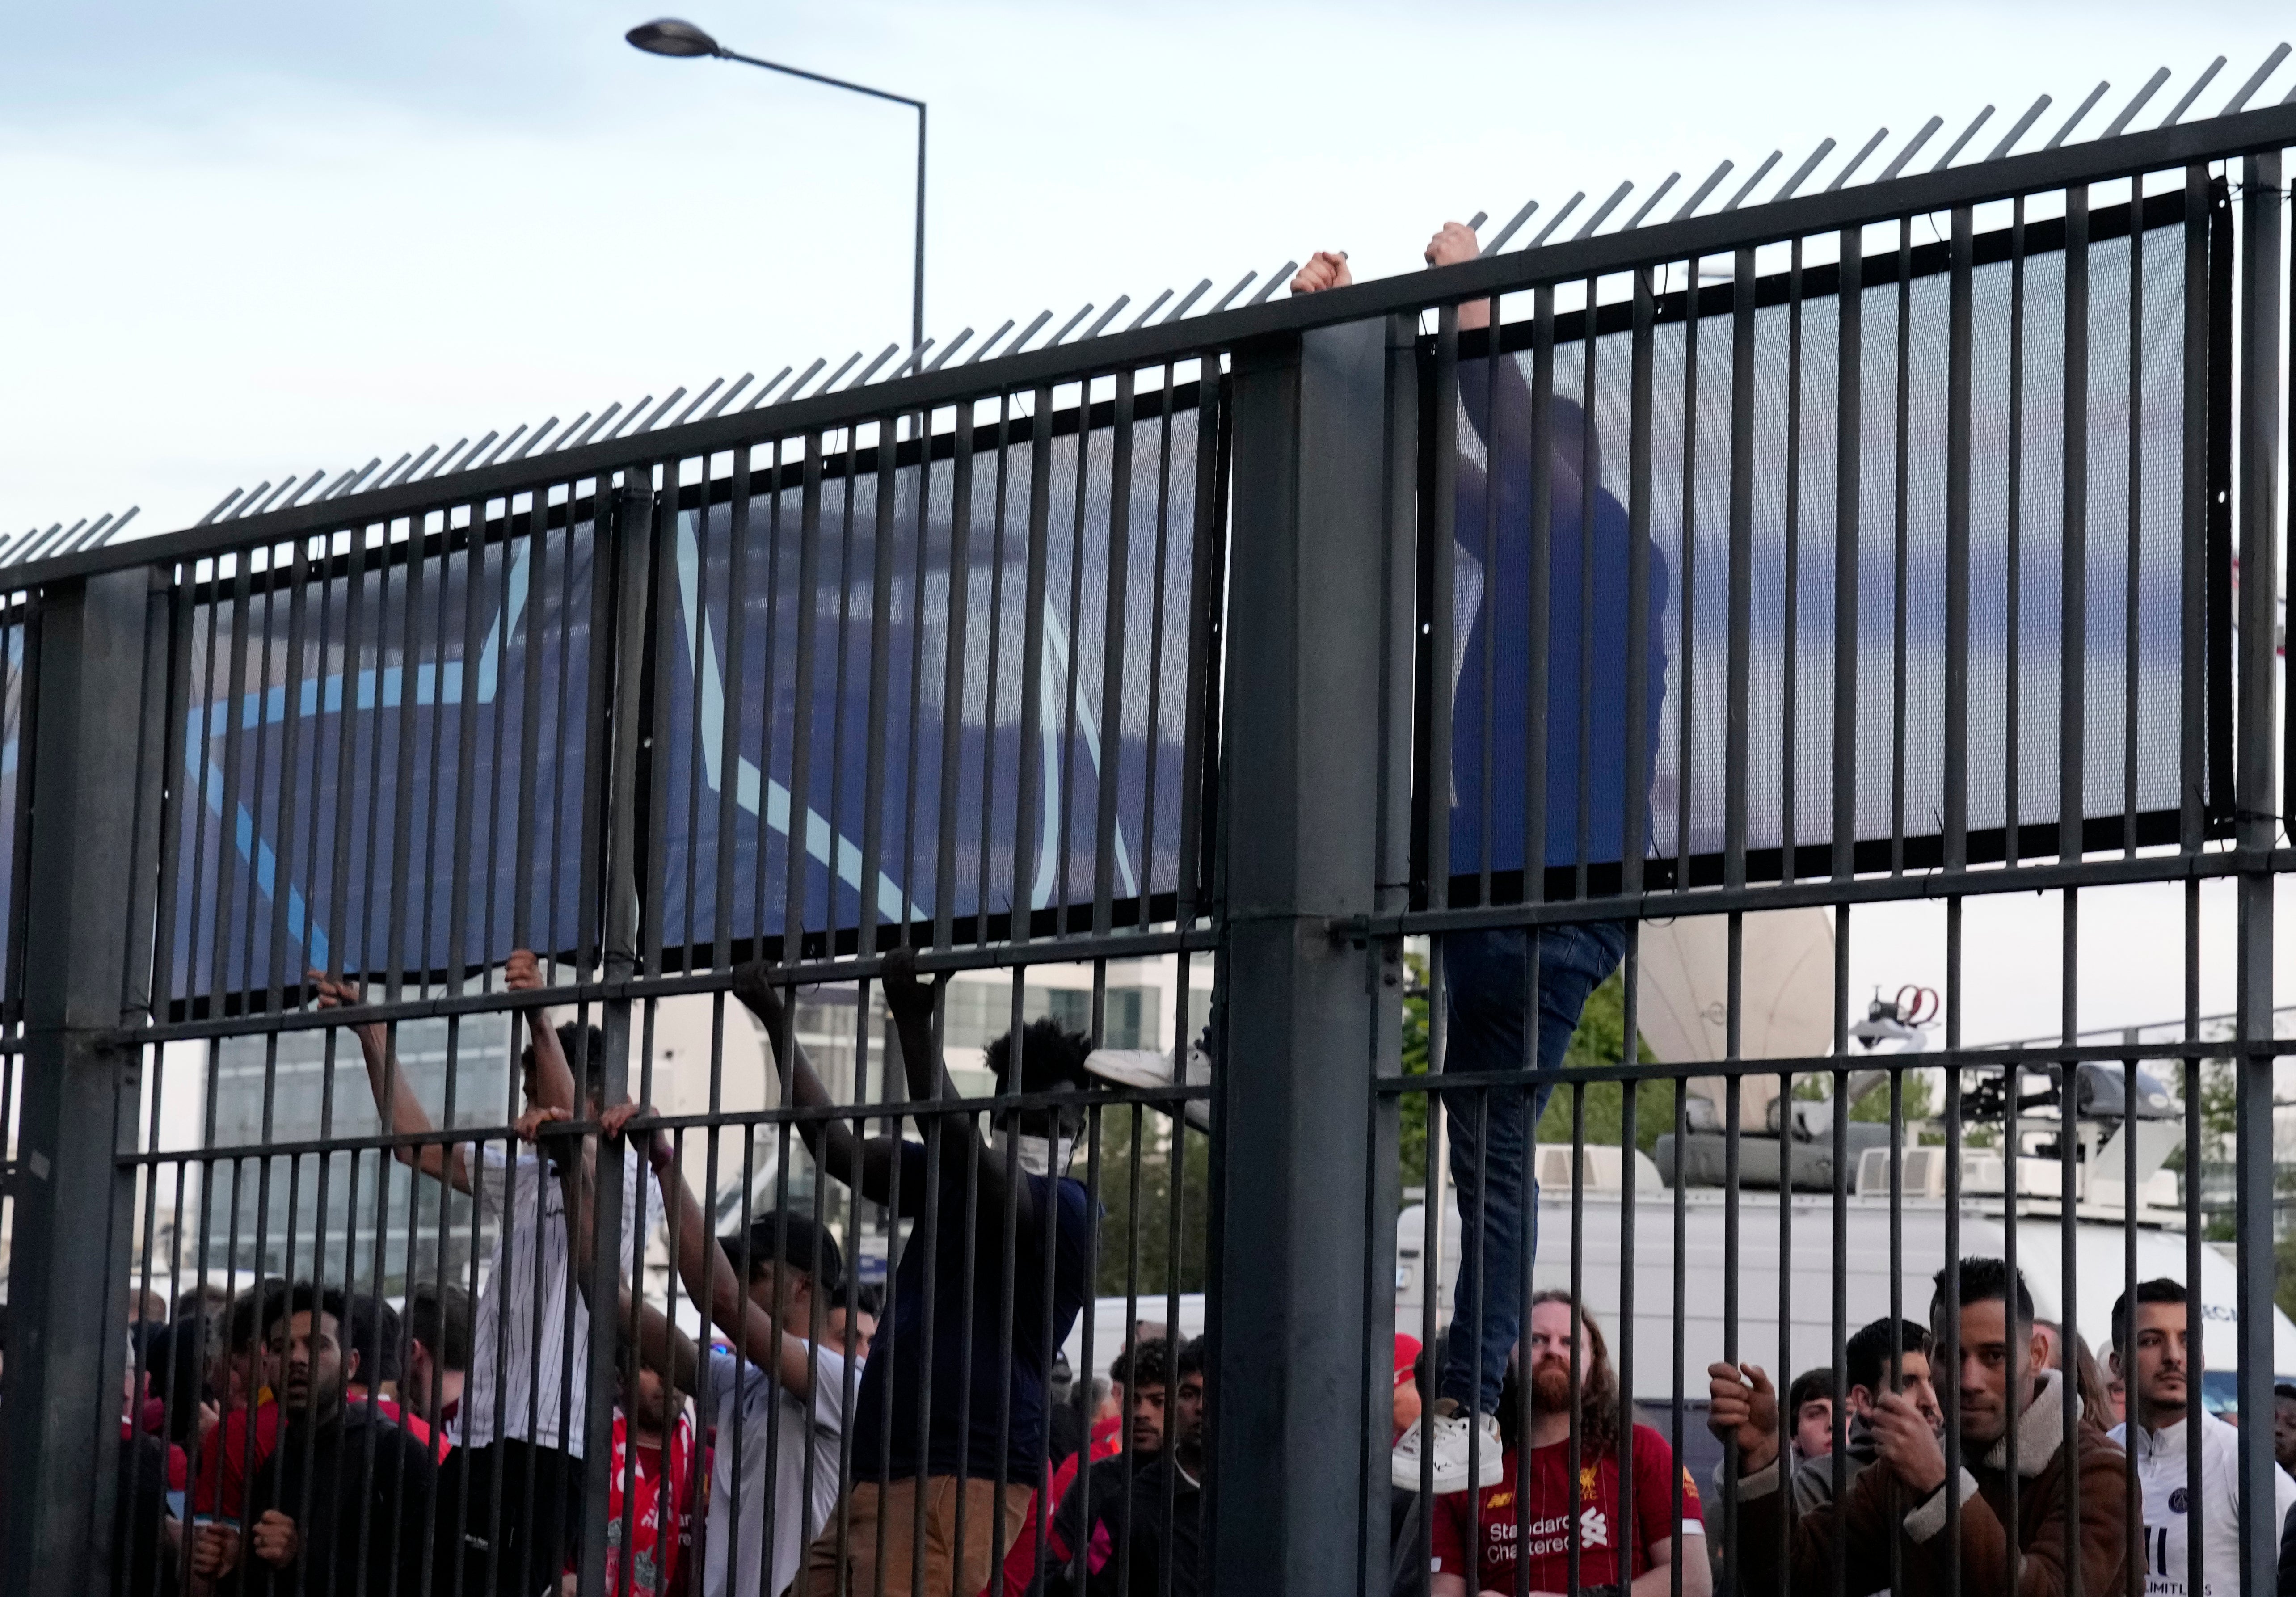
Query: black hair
[(869, 1298), (1147, 1364), (306, 1299), (373, 1333), (585, 1048), (1191, 1360), (440, 1318), (786, 1237), (2159, 1290), (1867, 1353), (1051, 1056), (252, 1313), (1987, 1281), (1811, 1386)]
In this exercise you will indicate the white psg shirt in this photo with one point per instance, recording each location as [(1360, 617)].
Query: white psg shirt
[(2171, 1505)]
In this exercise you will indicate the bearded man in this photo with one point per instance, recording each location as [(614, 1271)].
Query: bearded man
[(1543, 1511)]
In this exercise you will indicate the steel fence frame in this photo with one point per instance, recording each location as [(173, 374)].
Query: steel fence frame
[(1304, 870)]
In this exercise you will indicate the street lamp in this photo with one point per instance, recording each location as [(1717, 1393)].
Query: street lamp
[(667, 36)]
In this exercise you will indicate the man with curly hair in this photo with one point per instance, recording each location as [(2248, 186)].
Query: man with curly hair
[(950, 1428)]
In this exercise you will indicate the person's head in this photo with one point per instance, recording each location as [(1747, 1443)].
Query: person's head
[(310, 1350), (794, 1264), (1188, 1405), (437, 1347), (372, 1331), (1557, 1325), (2052, 1337), (244, 1356), (1107, 1399), (209, 1301), (585, 1047), (1866, 1357), (1994, 1337), (2283, 1424), (1809, 1412), (2151, 1325), (854, 1326), (1050, 1059), (146, 1307), (1407, 1402), (1144, 1372), (648, 1401)]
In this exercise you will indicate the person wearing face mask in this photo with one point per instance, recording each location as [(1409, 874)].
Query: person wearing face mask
[(2012, 1419), (949, 1432)]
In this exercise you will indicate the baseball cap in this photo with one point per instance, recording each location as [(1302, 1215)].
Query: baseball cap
[(1406, 1356), (795, 1240)]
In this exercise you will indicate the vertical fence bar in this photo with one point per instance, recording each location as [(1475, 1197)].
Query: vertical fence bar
[(1302, 784), (2259, 376), (73, 1202)]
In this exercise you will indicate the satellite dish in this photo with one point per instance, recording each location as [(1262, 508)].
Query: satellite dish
[(1786, 996)]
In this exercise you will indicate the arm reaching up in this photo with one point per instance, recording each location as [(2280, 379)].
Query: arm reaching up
[(554, 1077), (709, 1277), (911, 1003), (868, 1165), (401, 1110)]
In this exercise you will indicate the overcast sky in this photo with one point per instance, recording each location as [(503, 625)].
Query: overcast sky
[(255, 238)]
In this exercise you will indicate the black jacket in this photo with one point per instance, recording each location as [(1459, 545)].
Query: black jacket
[(361, 1492), (1095, 1515)]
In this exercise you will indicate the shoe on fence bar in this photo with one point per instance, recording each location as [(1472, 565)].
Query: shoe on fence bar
[(1452, 1436)]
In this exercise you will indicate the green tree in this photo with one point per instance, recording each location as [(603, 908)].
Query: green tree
[(1124, 1131)]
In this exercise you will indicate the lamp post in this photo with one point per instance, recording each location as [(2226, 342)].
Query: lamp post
[(667, 36)]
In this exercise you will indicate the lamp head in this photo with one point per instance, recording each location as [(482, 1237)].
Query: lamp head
[(667, 36)]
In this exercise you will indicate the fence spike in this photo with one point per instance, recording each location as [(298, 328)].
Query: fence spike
[(1028, 332), (1556, 220), (1070, 325), (405, 473), (1190, 298), (1769, 162), (734, 393), (473, 453), (113, 531), (1801, 173), (989, 342), (1108, 316), (764, 392), (1713, 181), (517, 433), (1967, 133), (915, 361), (534, 443), (699, 400), (224, 504), (954, 344), (33, 547), (1241, 283), (1477, 220), (869, 371), (1142, 319), (2200, 86), (792, 391), (2009, 140), (1857, 159), (251, 508), (631, 414), (2112, 129), (2073, 121), (1602, 212), (2239, 103), (1277, 280), (439, 464), (678, 393), (1651, 204), (73, 546), (309, 482), (1913, 148)]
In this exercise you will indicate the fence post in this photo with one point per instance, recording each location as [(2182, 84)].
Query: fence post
[(1302, 791), (74, 1203)]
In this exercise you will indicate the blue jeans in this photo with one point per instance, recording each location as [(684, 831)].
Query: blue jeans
[(1486, 979)]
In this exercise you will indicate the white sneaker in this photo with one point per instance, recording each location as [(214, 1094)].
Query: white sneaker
[(1453, 1435), (1148, 1068)]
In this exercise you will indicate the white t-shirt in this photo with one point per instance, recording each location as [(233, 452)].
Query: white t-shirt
[(2161, 1464), (772, 1431), (529, 1234)]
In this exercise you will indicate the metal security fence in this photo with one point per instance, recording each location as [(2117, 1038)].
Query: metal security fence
[(1219, 748)]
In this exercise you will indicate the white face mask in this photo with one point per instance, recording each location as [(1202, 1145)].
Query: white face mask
[(1038, 1156)]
